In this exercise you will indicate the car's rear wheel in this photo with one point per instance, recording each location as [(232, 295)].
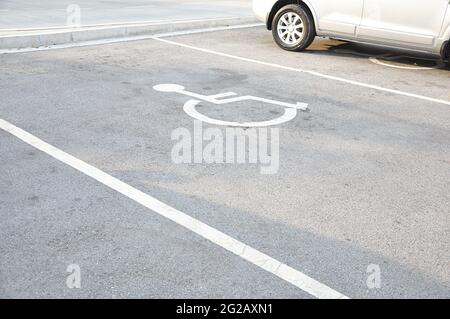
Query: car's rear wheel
[(293, 28), (446, 53)]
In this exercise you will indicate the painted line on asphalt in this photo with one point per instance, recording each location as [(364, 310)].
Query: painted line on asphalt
[(195, 31), (263, 261), (283, 67)]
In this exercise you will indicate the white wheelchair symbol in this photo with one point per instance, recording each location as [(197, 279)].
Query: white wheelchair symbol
[(290, 110)]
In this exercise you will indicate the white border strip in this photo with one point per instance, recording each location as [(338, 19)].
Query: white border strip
[(322, 75), (263, 261)]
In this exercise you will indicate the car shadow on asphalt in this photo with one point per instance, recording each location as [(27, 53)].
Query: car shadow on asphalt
[(388, 57)]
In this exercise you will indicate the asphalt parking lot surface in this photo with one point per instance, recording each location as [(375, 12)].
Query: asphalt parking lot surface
[(363, 176)]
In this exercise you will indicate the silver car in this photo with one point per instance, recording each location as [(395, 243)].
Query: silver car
[(416, 25)]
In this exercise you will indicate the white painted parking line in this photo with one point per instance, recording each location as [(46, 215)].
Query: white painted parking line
[(263, 261), (314, 73)]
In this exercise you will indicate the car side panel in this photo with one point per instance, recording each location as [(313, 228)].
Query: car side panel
[(445, 31), (411, 23), (262, 9), (338, 17)]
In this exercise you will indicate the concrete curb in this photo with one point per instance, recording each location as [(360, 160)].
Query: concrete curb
[(48, 38)]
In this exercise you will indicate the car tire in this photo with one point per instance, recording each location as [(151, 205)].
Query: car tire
[(293, 28), (446, 54)]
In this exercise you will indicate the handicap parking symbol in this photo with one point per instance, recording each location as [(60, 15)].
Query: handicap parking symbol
[(290, 110)]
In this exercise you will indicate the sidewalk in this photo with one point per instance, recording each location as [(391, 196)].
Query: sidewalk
[(24, 24), (44, 14)]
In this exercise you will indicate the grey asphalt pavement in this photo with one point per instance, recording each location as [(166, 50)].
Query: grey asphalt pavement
[(363, 177)]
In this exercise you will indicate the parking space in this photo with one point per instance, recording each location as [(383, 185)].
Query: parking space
[(404, 71), (363, 175), (53, 217)]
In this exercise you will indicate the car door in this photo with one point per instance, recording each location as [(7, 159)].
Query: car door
[(338, 16), (409, 22)]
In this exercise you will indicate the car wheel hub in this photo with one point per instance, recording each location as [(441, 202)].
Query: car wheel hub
[(290, 28)]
